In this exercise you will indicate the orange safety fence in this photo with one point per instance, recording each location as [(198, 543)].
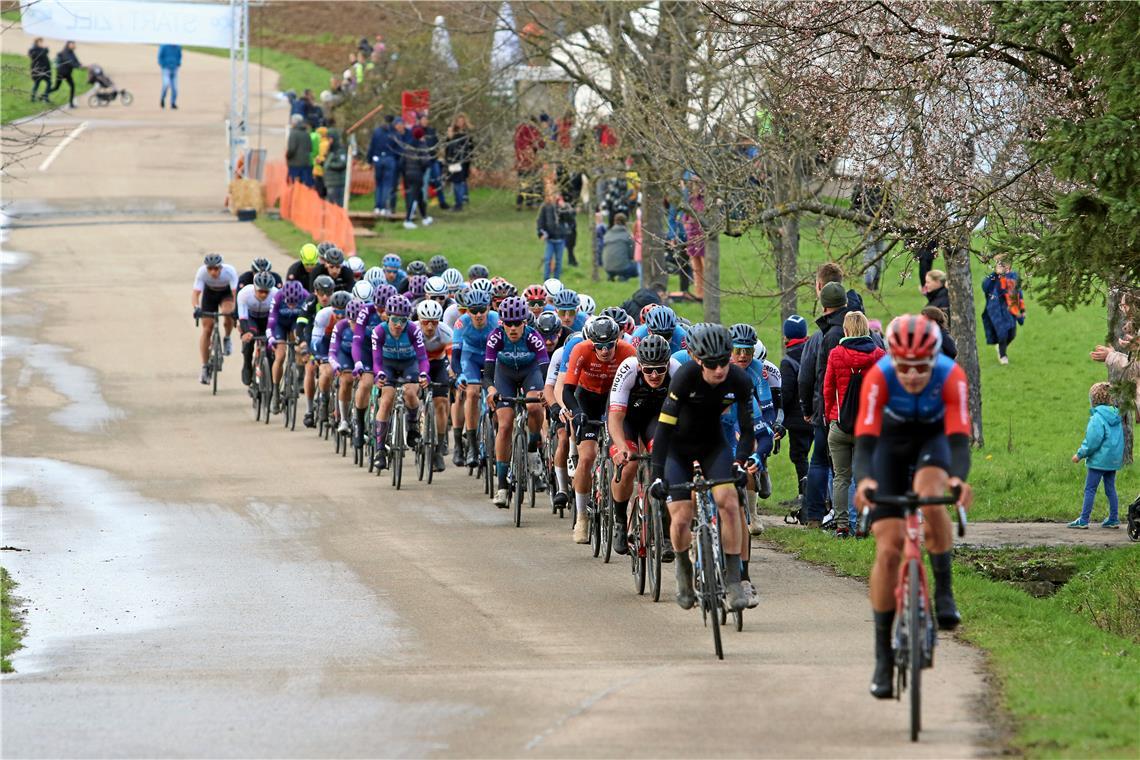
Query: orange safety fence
[(307, 211)]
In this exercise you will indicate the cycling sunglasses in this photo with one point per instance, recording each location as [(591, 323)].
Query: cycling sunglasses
[(913, 368), (605, 346), (564, 312), (514, 322), (655, 370), (261, 292), (397, 320), (536, 303), (749, 350), (717, 363), (476, 309)]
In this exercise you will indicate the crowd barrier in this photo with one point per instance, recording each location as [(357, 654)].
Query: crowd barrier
[(306, 210)]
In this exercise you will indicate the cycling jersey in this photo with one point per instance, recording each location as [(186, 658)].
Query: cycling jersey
[(526, 351), (390, 351), (298, 272), (249, 306), (283, 315), (631, 394), (585, 370), (227, 279), (247, 279), (552, 370), (366, 322), (304, 322), (572, 340), (343, 281), (399, 281), (676, 340), (340, 346), (469, 345), (682, 357), (452, 313), (438, 346), (321, 332)]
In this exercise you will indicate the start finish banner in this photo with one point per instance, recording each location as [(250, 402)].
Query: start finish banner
[(205, 24)]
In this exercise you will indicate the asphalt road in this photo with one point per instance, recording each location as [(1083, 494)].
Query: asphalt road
[(200, 585)]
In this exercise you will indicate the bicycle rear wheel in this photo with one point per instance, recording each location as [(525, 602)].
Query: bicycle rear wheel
[(430, 437), (710, 600), (654, 548), (519, 474), (916, 636), (638, 552), (266, 390), (606, 508)]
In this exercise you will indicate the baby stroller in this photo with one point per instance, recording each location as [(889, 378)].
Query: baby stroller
[(105, 90)]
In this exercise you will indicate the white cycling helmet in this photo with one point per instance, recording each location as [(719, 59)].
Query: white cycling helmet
[(355, 265), (586, 305), (435, 286), (761, 352), (553, 286), (363, 291), (453, 278), (429, 310), (375, 276), (482, 284)]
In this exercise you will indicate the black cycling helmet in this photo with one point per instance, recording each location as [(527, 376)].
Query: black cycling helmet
[(653, 351), (475, 271), (213, 260), (505, 290), (334, 257), (260, 264), (323, 248), (616, 313), (708, 341), (340, 300), (417, 267), (324, 284), (438, 264), (743, 335), (549, 324), (264, 281), (602, 329)]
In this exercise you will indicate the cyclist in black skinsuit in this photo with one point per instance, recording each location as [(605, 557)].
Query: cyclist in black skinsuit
[(332, 264), (260, 264), (688, 431)]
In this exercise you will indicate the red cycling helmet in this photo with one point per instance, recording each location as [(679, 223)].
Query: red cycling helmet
[(913, 339), (535, 293), (646, 309)]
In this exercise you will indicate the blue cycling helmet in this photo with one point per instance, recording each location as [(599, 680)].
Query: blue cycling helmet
[(566, 300), (513, 309), (478, 299), (392, 261), (661, 321), (743, 335), (398, 306)]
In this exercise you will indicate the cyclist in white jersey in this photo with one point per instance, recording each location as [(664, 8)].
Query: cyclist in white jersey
[(215, 288)]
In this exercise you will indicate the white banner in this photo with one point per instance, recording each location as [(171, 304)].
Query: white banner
[(205, 24)]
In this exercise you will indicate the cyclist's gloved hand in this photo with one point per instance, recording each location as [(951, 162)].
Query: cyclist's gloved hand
[(272, 342), (197, 312), (555, 410), (580, 420), (423, 380), (778, 431), (659, 489), (753, 463), (358, 369), (462, 380), (740, 474)]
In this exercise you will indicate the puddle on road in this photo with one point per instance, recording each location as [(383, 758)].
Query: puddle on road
[(116, 582), (88, 411)]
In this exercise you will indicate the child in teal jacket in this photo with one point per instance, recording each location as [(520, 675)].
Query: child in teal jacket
[(1103, 452)]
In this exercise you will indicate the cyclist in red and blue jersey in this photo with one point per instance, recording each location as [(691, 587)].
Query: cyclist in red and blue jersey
[(288, 305), (913, 433), (468, 354), (400, 360), (515, 363)]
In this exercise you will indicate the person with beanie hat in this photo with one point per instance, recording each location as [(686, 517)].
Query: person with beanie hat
[(799, 432)]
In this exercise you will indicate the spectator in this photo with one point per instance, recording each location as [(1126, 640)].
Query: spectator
[(949, 347), (66, 62), (617, 251), (320, 142), (458, 153), (528, 142), (869, 197), (336, 164), (568, 216), (433, 177), (398, 140), (936, 293), (414, 164), (695, 237), (855, 353), (384, 165), (364, 46), (298, 151), (876, 329), (41, 68), (1005, 307), (1103, 452), (675, 256), (550, 231), (169, 60), (799, 431)]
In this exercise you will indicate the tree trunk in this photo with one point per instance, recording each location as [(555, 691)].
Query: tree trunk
[(652, 231), (712, 278), (784, 238), (964, 328), (1124, 391)]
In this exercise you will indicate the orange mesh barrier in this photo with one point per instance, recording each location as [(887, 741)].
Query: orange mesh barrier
[(306, 210)]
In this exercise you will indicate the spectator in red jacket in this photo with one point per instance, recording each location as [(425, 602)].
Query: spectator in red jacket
[(855, 353), (528, 142)]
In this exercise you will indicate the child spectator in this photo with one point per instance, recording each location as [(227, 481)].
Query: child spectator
[(1103, 452)]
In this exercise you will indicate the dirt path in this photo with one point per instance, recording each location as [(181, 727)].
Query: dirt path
[(202, 585), (994, 534)]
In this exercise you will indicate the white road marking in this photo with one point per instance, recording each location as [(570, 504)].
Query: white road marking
[(62, 144)]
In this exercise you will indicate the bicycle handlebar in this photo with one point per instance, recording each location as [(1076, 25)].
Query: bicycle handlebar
[(520, 399), (910, 501), (632, 458)]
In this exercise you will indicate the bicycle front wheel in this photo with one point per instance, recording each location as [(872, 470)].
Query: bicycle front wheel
[(654, 548), (519, 473), (638, 552), (606, 510), (430, 438), (916, 637), (397, 452), (710, 599)]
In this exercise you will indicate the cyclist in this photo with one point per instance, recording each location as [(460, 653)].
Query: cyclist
[(302, 269), (437, 265), (437, 342), (566, 304), (340, 359), (288, 305), (367, 318), (418, 267), (912, 434), (452, 313), (254, 303), (515, 362), (453, 280), (260, 264), (397, 353), (435, 289), (477, 272), (638, 391), (355, 265), (215, 288), (552, 393), (535, 296), (322, 347), (698, 393), (323, 287), (333, 265), (662, 321), (502, 291), (468, 352), (589, 376), (395, 276)]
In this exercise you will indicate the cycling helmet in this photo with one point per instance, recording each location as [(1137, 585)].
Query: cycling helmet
[(392, 261), (309, 255), (496, 280), (478, 299), (548, 324), (629, 325), (429, 311), (505, 290), (435, 286), (352, 311), (340, 299), (553, 286), (363, 290), (616, 313), (213, 260), (708, 341), (453, 279), (602, 329), (914, 339), (438, 264), (260, 264), (355, 265), (416, 283), (334, 257), (761, 352), (324, 247), (535, 293), (293, 291), (743, 335), (653, 351), (482, 284), (461, 298), (645, 310), (398, 306), (477, 271), (375, 277), (513, 309), (586, 305), (417, 267), (566, 299), (381, 293), (662, 321), (264, 281), (324, 284)]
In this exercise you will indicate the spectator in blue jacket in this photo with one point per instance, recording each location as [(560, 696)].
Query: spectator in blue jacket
[(169, 60), (1103, 452)]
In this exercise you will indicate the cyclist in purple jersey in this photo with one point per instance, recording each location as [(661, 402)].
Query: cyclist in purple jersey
[(215, 288), (340, 359), (397, 353), (366, 319), (288, 305)]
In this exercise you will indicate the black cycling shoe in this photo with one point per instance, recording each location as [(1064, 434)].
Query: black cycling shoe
[(946, 612), (246, 375), (437, 462), (883, 681), (561, 499), (358, 438), (380, 459), (457, 457), (686, 597), (472, 459), (309, 421), (667, 553), (621, 541), (413, 437)]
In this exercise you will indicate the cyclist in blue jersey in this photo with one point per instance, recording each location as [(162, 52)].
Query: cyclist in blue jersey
[(399, 359), (662, 321), (515, 363), (468, 352), (395, 276), (288, 305), (566, 304)]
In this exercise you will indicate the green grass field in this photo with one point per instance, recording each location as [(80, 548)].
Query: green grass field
[(295, 73), (11, 627), (16, 88), (1034, 409)]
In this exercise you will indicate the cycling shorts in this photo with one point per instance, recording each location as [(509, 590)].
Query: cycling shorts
[(259, 324), (437, 373), (895, 461), (472, 368), (212, 300), (344, 357), (593, 405), (640, 429), (283, 329), (516, 382), (400, 372), (716, 465)]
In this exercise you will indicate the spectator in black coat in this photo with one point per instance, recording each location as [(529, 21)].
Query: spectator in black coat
[(458, 152), (41, 68), (414, 163), (66, 62), (949, 347), (434, 172), (936, 293), (799, 431)]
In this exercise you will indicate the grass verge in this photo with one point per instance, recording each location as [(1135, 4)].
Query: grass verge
[(294, 73), (11, 626), (1070, 688), (15, 101)]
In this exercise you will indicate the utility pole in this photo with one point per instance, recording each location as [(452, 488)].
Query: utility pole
[(237, 126)]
